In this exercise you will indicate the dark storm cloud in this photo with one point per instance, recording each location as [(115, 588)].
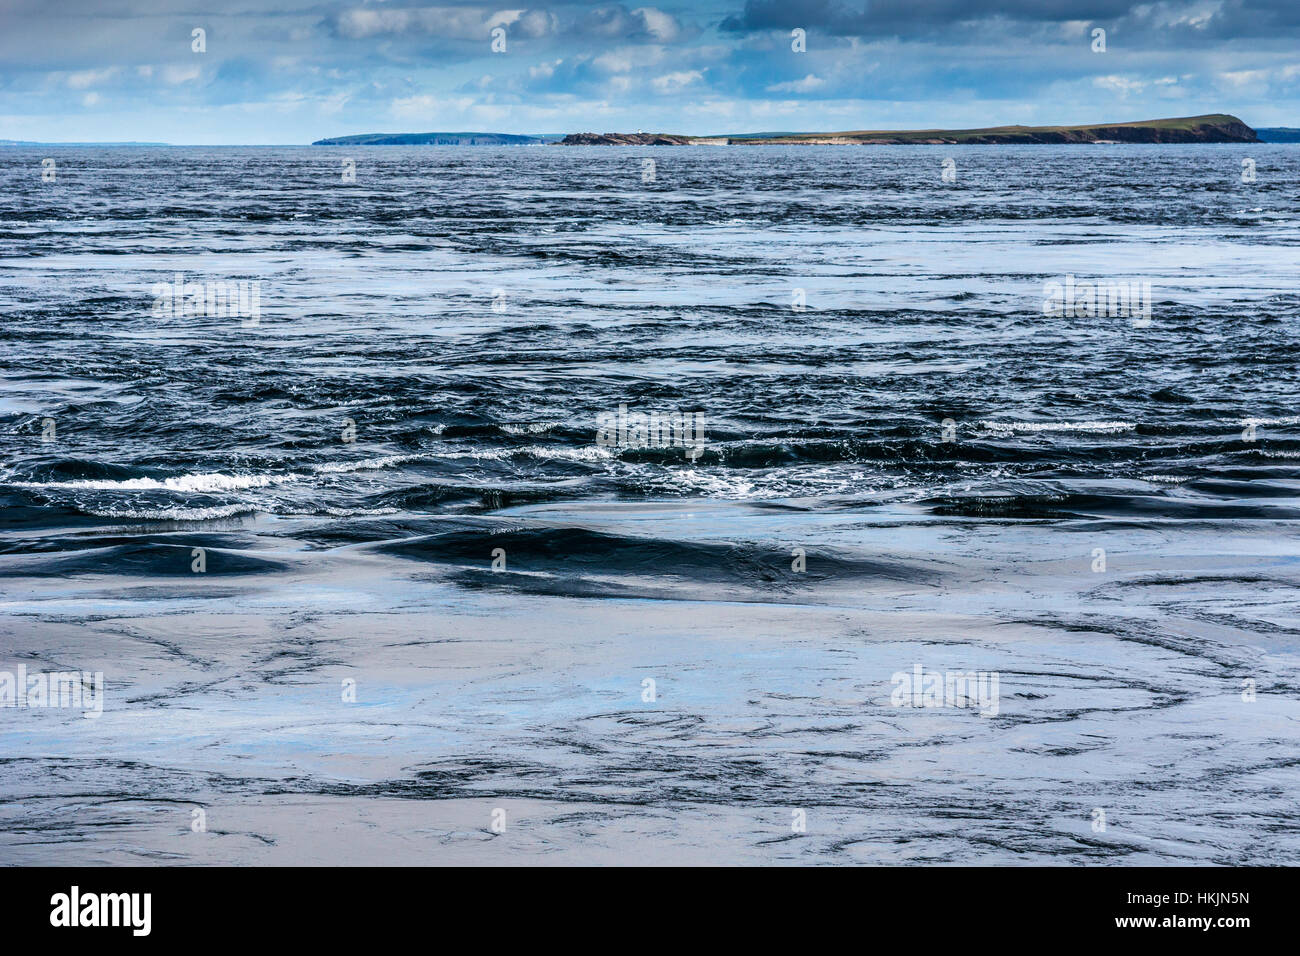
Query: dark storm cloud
[(1158, 23), (900, 17)]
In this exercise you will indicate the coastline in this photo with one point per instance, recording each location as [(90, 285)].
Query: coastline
[(1209, 128)]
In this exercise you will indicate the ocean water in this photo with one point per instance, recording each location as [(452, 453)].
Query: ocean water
[(377, 566)]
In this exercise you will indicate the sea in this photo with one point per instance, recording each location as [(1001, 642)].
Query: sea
[(650, 505)]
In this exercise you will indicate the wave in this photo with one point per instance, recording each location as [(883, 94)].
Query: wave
[(1071, 505), (178, 513), (1099, 428), (480, 497), (368, 464), (581, 453), (532, 428), (1285, 420), (202, 482), (172, 555), (568, 552)]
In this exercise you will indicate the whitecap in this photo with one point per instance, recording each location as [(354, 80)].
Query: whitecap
[(1098, 428), (173, 514), (1285, 420), (201, 482), (529, 428), (367, 464)]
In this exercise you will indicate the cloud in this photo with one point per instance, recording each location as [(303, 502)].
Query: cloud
[(1244, 78), (415, 107), (613, 22), (543, 71), (1141, 22), (662, 26), (627, 59), (806, 85), (676, 82), (460, 23), (1119, 84), (173, 75), (910, 19), (617, 22), (531, 23), (297, 70), (87, 78)]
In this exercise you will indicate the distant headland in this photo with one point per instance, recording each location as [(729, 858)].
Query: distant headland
[(435, 139), (1212, 128)]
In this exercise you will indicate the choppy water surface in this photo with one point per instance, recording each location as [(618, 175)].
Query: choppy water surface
[(880, 388)]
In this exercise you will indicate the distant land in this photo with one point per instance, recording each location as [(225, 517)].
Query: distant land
[(23, 142), (1212, 128), (435, 139)]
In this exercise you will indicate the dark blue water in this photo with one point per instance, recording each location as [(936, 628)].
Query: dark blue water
[(873, 378)]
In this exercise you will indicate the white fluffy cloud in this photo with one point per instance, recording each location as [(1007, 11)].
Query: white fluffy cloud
[(677, 81), (455, 23), (87, 78), (175, 75), (662, 26), (1119, 84), (806, 85)]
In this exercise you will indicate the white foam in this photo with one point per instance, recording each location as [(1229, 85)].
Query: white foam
[(216, 481), (582, 453), (1098, 428), (210, 481), (529, 428), (368, 464), (174, 514), (1287, 420), (706, 483), (558, 453)]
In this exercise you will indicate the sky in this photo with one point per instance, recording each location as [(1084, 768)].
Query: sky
[(293, 71)]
